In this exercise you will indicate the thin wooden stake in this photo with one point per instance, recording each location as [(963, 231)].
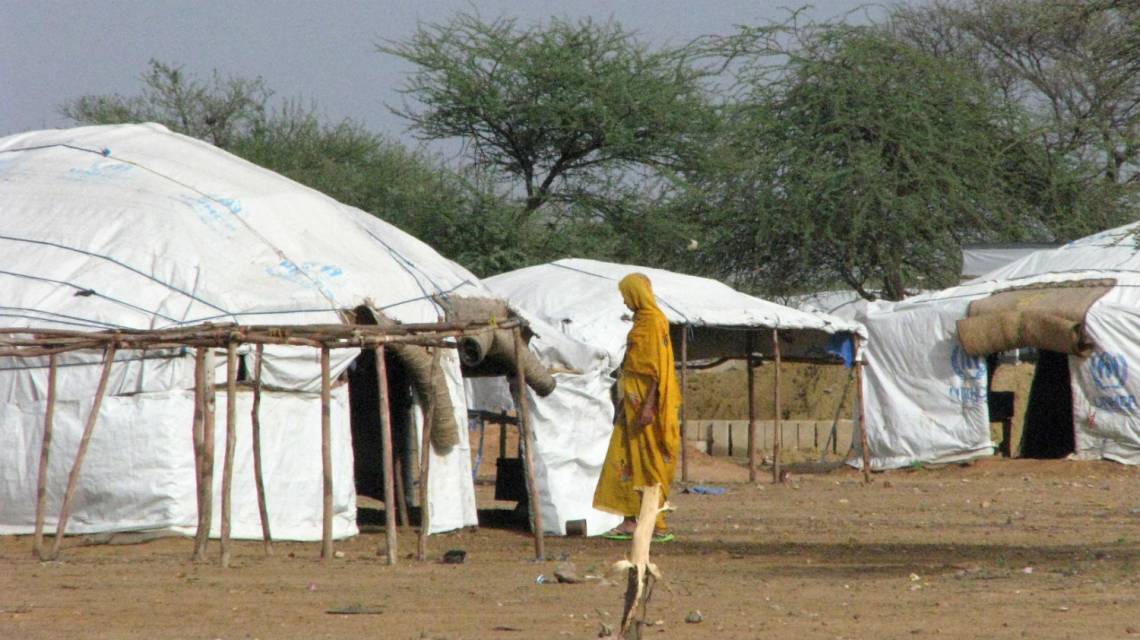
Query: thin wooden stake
[(684, 405), (206, 470), (84, 442), (425, 464), (258, 475), (778, 431), (401, 497), (231, 444), (526, 435), (751, 409), (862, 418), (390, 500), (326, 459), (45, 450)]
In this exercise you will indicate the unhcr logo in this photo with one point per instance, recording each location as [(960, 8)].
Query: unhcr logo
[(1109, 370), (966, 366), (969, 369)]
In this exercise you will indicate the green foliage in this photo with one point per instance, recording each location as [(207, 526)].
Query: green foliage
[(552, 107), (219, 111), (863, 159)]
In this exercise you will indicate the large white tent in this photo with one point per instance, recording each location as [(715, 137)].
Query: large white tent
[(581, 323), (136, 227), (926, 382)]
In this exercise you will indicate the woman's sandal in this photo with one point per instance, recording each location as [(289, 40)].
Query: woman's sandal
[(666, 536), (617, 534)]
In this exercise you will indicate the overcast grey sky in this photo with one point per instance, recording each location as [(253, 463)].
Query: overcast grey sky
[(319, 51)]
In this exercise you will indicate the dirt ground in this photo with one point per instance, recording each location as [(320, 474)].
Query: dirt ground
[(996, 549)]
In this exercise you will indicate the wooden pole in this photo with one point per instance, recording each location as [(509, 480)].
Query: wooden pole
[(401, 498), (231, 444), (751, 409), (526, 435), (45, 450), (206, 479), (777, 429), (862, 418), (326, 459), (425, 464), (390, 500), (201, 532), (684, 405), (258, 475), (84, 442)]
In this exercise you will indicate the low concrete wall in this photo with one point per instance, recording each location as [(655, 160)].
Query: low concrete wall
[(730, 437)]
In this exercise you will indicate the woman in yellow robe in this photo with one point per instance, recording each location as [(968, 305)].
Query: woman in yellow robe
[(646, 439)]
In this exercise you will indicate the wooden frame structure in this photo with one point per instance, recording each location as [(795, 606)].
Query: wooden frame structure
[(777, 432), (205, 339)]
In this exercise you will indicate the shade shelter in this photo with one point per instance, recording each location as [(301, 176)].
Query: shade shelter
[(930, 358), (581, 323), (133, 230)]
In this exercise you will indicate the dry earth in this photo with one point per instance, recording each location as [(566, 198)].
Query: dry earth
[(997, 549)]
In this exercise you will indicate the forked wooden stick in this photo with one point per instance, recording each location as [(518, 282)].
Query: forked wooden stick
[(641, 573)]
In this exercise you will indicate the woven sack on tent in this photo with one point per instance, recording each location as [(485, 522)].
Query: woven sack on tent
[(1048, 316)]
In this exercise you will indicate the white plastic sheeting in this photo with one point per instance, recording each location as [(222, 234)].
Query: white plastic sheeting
[(576, 309), (139, 469), (572, 426), (136, 227), (926, 399)]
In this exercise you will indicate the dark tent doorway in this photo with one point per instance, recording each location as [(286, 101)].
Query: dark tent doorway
[(1048, 431)]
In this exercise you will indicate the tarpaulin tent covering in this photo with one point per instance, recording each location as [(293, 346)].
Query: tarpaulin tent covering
[(925, 380), (581, 323), (136, 227)]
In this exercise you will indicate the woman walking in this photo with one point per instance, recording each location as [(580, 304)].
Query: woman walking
[(646, 439)]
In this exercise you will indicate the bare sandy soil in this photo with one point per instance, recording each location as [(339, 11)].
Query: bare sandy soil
[(997, 549)]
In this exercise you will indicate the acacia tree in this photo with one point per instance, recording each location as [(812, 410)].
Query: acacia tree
[(860, 159), (554, 108), (1076, 64)]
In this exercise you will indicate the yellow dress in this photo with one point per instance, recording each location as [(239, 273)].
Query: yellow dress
[(642, 456)]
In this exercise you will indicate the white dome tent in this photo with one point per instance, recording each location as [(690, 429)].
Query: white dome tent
[(926, 376), (135, 228), (580, 321)]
